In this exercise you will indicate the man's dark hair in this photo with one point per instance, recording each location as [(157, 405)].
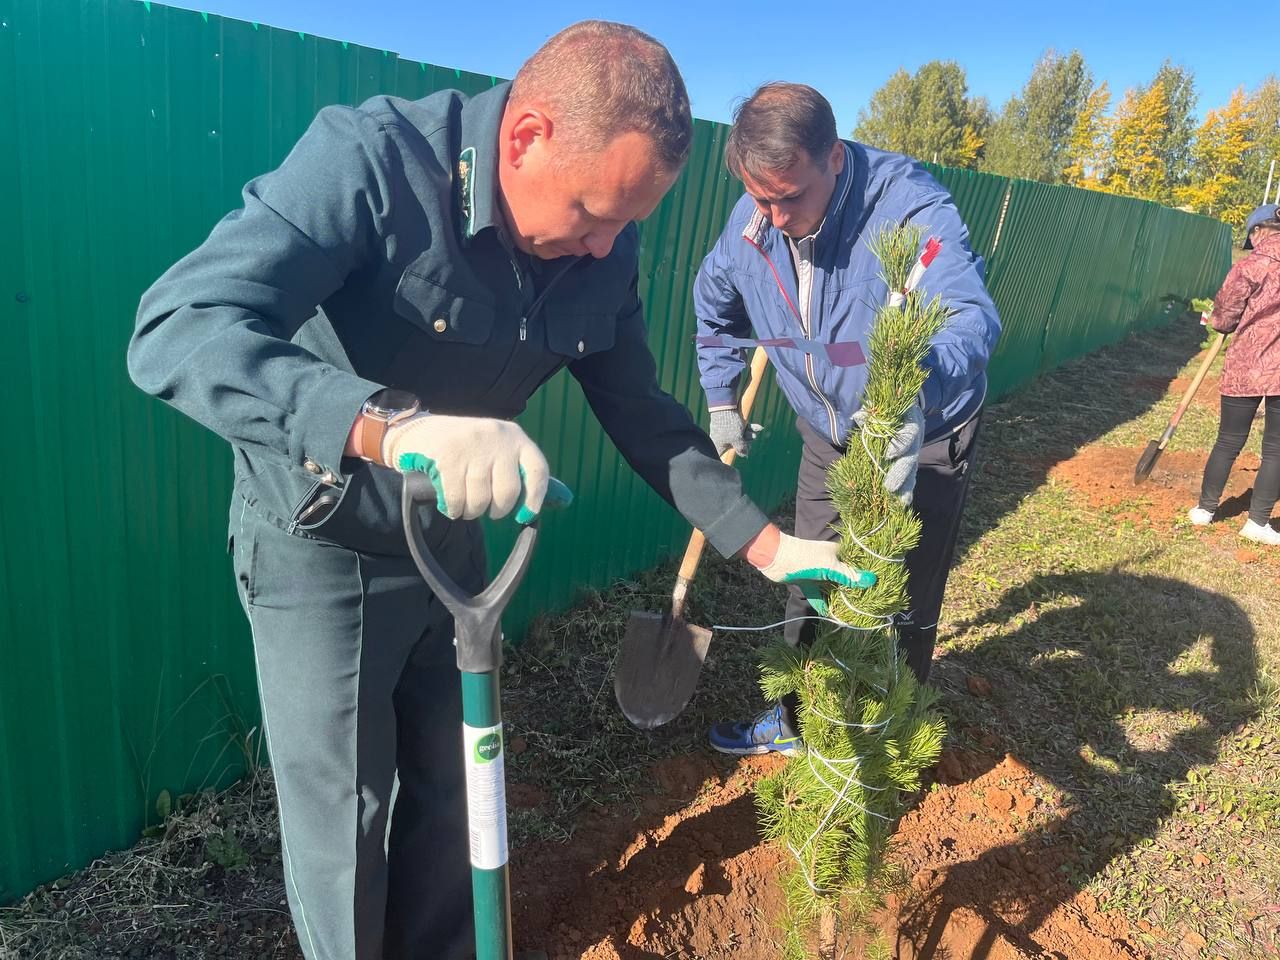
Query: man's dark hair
[(604, 79), (775, 125)]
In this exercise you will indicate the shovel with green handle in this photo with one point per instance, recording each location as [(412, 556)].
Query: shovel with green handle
[(478, 637)]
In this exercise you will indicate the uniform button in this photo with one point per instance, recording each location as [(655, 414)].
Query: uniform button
[(311, 466), (329, 477), (441, 325), (581, 346)]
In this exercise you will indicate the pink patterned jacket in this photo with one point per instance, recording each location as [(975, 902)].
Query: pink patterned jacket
[(1248, 305)]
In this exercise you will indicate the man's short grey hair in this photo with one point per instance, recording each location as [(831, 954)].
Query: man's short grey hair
[(600, 80), (775, 126)]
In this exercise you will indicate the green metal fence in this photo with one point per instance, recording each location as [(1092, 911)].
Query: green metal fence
[(128, 129)]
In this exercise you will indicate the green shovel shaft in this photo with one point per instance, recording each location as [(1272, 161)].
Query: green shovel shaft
[(487, 814)]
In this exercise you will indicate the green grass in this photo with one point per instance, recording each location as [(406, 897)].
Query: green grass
[(1131, 663)]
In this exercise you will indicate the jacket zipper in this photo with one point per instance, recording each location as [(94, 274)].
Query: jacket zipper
[(808, 357), (524, 329), (295, 515)]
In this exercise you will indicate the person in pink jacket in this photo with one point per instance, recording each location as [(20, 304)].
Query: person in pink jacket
[(1248, 306)]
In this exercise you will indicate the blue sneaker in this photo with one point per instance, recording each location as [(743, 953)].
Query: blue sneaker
[(767, 733)]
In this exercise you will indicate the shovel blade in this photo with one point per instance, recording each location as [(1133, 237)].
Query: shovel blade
[(658, 667), (1146, 461)]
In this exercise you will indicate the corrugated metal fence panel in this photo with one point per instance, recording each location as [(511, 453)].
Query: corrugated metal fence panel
[(1099, 269), (126, 663), (85, 707), (980, 199), (126, 658), (1038, 225)]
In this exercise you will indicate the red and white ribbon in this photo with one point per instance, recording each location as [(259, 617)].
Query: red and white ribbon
[(931, 250)]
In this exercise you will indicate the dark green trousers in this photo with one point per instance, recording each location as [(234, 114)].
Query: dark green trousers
[(362, 716)]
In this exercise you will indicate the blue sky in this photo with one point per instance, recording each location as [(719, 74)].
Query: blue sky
[(725, 50)]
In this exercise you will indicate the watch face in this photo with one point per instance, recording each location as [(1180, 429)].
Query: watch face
[(388, 402)]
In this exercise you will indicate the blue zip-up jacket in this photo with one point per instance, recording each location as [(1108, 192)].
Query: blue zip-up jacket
[(748, 282)]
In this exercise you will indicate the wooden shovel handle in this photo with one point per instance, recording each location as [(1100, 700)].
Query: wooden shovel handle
[(693, 554), (1195, 385)]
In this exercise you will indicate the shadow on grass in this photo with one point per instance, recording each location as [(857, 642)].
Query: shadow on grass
[(1112, 686)]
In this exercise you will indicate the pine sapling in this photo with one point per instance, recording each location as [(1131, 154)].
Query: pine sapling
[(868, 726)]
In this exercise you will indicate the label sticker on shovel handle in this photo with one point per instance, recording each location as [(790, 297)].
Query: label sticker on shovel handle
[(486, 795)]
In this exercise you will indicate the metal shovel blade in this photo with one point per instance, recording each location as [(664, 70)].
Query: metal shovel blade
[(1146, 461), (658, 667)]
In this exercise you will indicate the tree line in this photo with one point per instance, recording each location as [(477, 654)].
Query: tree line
[(1061, 127)]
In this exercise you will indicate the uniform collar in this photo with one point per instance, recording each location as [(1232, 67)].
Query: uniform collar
[(476, 166)]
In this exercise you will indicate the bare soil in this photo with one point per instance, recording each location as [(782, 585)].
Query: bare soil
[(1105, 476), (690, 878)]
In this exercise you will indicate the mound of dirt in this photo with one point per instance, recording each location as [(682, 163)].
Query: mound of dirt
[(690, 877), (1105, 476)]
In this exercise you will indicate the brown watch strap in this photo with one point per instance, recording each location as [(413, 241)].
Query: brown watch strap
[(373, 430)]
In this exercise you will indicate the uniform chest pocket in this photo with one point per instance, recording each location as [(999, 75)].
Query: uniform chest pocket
[(577, 335), (442, 314)]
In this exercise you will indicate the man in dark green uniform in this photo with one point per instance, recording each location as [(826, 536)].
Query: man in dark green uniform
[(404, 281)]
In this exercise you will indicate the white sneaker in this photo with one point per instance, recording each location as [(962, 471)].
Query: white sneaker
[(1199, 517), (1259, 533)]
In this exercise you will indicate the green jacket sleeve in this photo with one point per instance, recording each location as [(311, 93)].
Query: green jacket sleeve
[(213, 333), (660, 440)]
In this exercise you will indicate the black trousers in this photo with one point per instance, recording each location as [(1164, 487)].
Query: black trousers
[(1233, 432), (362, 711), (942, 485)]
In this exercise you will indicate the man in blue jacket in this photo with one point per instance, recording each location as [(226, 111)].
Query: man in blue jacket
[(794, 262), (401, 285)]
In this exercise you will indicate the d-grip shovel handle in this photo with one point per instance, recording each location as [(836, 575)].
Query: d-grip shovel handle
[(477, 619)]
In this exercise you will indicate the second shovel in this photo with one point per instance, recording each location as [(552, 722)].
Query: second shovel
[(662, 654)]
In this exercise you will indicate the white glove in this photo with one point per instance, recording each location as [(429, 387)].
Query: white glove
[(810, 564), (799, 559), (476, 464), (902, 454)]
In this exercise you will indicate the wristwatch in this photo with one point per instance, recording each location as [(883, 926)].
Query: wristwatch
[(384, 408)]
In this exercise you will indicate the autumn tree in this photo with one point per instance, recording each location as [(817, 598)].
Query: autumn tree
[(1233, 155), (1219, 155), (1032, 137), (1089, 146), (928, 115), (1137, 164), (1175, 143), (1264, 108)]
